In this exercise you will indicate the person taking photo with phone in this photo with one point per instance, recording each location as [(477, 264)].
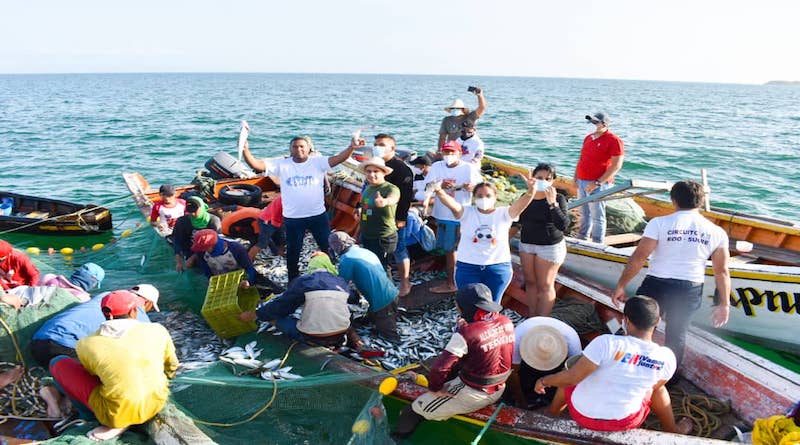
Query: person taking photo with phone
[(452, 125)]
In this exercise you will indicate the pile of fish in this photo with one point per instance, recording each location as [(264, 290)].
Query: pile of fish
[(196, 344), (248, 357), (274, 267)]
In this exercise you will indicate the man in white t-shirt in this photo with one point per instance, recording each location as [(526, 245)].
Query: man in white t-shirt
[(679, 245), (457, 179), (541, 346), (471, 144), (302, 184), (619, 378)]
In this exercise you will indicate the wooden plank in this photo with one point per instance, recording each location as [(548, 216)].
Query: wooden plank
[(622, 238)]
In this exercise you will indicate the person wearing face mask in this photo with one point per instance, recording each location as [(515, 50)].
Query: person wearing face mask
[(484, 255), (456, 179), (601, 158), (403, 178), (302, 181), (542, 247), (471, 143), (619, 378), (458, 114), (378, 207), (420, 167)]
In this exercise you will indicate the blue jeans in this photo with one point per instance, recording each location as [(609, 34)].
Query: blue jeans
[(320, 228), (401, 252), (593, 214), (678, 300), (288, 325), (496, 277)]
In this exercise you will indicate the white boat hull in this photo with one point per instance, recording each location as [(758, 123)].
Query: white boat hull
[(765, 300)]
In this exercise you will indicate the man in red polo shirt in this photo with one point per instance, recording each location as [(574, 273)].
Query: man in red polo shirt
[(601, 158)]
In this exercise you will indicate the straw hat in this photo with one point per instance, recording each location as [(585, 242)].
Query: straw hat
[(376, 162), (458, 103), (543, 348)]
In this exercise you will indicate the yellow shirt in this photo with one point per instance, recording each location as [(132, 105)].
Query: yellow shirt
[(133, 371)]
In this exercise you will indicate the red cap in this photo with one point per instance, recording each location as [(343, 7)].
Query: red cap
[(204, 239), (451, 146), (5, 249), (119, 302)]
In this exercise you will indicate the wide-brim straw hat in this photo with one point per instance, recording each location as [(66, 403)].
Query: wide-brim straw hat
[(375, 162), (543, 348), (458, 103)]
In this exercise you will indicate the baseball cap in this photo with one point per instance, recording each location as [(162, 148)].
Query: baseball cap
[(203, 240), (421, 160), (148, 292), (599, 116), (477, 295), (118, 302), (451, 146)]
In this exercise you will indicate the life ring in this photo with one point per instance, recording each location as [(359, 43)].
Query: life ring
[(246, 195), (242, 223)]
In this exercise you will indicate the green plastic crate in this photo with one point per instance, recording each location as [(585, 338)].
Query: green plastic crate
[(225, 300)]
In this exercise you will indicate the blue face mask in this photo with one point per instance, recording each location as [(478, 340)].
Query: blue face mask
[(378, 151), (455, 111)]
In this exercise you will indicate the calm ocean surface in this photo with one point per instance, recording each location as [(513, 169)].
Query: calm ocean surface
[(71, 137)]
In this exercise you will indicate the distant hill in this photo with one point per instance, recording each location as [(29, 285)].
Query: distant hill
[(784, 82)]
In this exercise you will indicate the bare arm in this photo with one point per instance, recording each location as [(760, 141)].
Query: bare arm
[(643, 250), (518, 206), (256, 164), (570, 377), (450, 203), (442, 137), (722, 278), (342, 156), (515, 387), (481, 103), (616, 165)]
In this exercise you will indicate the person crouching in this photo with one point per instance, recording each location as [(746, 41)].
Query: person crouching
[(121, 372), (483, 347)]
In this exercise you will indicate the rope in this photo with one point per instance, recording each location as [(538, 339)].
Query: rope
[(25, 389), (260, 411), (702, 410), (76, 213)]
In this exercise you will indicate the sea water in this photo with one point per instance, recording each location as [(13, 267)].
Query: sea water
[(72, 136)]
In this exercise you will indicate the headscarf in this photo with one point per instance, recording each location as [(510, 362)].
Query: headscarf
[(339, 242), (321, 261), (88, 276), (201, 220)]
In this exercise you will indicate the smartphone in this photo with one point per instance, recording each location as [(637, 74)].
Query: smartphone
[(472, 89)]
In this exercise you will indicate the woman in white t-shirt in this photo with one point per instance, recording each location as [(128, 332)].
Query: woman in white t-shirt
[(483, 252)]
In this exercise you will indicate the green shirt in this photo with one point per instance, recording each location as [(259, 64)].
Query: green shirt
[(378, 222)]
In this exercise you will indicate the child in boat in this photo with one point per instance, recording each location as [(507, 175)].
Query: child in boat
[(270, 230), (619, 378), (483, 347), (378, 205), (168, 210)]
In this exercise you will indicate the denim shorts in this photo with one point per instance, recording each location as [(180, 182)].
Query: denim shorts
[(447, 235), (554, 253)]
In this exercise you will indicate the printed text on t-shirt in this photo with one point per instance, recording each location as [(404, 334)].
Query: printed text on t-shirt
[(638, 360)]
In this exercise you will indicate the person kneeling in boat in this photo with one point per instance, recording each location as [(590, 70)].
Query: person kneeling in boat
[(483, 346), (541, 346), (270, 230), (60, 334), (366, 272), (16, 269), (619, 378), (324, 296), (121, 373), (85, 278), (196, 218), (215, 256)]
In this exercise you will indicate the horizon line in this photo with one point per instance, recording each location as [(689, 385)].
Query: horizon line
[(382, 74)]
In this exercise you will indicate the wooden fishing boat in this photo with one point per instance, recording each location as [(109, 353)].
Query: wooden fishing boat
[(755, 387), (765, 279), (31, 214)]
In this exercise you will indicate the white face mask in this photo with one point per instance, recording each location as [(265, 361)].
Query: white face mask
[(416, 171), (484, 203), (378, 151), (455, 112), (450, 159), (541, 185)]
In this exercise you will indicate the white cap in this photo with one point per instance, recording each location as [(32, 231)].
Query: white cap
[(148, 292)]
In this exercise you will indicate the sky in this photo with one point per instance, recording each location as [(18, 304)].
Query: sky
[(679, 40)]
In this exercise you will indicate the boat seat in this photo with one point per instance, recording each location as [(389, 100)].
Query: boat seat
[(622, 239), (37, 215)]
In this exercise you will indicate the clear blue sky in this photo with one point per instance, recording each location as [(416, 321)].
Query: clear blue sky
[(690, 40)]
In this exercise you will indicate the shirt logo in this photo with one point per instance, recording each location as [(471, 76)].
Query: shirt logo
[(638, 360), (300, 181)]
